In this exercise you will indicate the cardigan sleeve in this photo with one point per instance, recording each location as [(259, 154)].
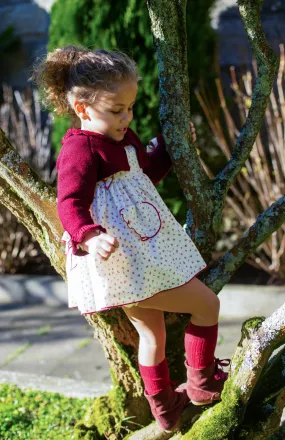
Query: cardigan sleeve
[(77, 174), (159, 161)]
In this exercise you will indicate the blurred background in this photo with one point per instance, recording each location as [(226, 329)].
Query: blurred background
[(222, 75)]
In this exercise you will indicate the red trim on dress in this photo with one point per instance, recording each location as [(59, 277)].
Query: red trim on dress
[(105, 181), (143, 238), (134, 302)]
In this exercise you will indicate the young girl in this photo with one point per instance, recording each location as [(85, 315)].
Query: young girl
[(124, 247)]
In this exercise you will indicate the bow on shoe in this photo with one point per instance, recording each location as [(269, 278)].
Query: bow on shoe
[(220, 374)]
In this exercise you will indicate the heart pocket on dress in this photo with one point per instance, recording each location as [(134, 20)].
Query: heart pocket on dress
[(143, 218)]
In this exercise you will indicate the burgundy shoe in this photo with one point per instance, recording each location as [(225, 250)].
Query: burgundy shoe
[(167, 405), (205, 385)]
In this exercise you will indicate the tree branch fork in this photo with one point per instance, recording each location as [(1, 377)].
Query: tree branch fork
[(205, 197)]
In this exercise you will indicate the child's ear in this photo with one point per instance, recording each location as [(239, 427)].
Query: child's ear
[(80, 110)]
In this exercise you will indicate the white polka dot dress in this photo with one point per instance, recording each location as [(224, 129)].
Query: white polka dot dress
[(154, 253)]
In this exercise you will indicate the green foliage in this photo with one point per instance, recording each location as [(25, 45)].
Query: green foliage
[(173, 196), (201, 47), (9, 41), (31, 415), (60, 126), (201, 38)]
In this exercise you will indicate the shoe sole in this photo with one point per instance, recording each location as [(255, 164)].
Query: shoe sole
[(204, 402)]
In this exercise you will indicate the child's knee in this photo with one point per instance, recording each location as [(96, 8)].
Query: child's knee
[(216, 305), (212, 307), (153, 339)]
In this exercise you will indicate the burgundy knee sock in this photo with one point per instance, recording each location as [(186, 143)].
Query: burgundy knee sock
[(200, 344), (156, 378)]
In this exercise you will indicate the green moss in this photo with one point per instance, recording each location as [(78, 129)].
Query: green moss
[(108, 318), (16, 353), (87, 433), (117, 398), (126, 352), (109, 415), (220, 421), (251, 324), (101, 417), (127, 359), (104, 417), (27, 178)]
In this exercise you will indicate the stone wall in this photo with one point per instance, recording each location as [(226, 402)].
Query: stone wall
[(233, 46), (30, 20)]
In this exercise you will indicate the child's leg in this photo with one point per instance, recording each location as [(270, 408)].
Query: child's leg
[(150, 326), (203, 304), (193, 297), (166, 404), (200, 337)]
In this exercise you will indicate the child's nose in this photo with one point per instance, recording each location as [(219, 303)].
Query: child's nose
[(127, 117)]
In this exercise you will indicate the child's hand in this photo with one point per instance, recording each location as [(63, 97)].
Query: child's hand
[(193, 132), (153, 143), (99, 243)]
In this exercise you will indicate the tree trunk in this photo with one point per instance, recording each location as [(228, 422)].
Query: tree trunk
[(251, 385)]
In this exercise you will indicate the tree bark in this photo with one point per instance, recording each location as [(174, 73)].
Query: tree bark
[(268, 222), (267, 403), (174, 92), (205, 198)]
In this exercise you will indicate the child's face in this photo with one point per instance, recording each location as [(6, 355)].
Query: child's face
[(111, 114)]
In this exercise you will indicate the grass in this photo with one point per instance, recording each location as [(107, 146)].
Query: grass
[(16, 353), (44, 330), (221, 339), (34, 415), (84, 342)]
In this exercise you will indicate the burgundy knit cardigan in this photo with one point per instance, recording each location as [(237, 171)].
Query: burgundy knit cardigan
[(87, 157)]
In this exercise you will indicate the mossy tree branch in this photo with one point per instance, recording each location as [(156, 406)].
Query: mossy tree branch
[(259, 338), (169, 30), (267, 402), (269, 389), (266, 223), (205, 198)]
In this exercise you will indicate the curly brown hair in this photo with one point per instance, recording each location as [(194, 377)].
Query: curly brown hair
[(77, 72)]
